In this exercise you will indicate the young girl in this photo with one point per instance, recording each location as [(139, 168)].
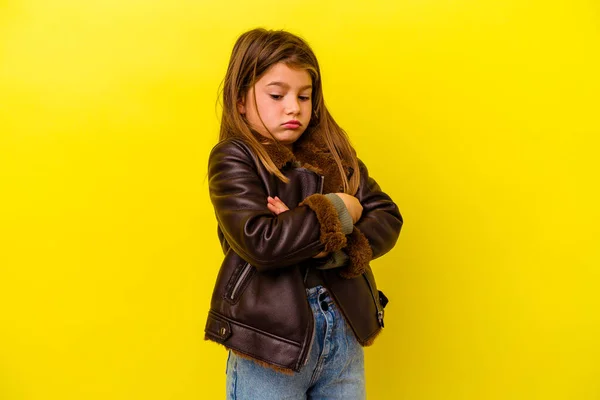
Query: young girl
[(299, 218)]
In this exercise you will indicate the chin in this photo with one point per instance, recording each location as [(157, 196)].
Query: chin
[(288, 137)]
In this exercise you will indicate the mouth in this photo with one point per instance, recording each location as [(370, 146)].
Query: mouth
[(292, 124)]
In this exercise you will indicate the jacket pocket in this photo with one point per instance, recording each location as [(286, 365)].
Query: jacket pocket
[(238, 282)]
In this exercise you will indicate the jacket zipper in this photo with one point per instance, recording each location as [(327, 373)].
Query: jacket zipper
[(240, 281), (376, 301), (304, 356)]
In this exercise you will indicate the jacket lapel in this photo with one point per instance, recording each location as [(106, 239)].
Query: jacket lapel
[(310, 152)]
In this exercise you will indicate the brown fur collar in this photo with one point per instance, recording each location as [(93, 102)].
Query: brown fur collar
[(309, 151)]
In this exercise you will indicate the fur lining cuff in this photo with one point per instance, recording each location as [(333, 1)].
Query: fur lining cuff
[(360, 253), (331, 228), (264, 364), (285, 371), (371, 339)]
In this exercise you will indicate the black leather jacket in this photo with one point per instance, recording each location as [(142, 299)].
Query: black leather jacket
[(259, 307)]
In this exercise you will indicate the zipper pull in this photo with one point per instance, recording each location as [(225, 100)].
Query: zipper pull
[(380, 318)]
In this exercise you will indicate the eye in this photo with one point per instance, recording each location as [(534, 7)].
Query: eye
[(276, 96), (304, 98)]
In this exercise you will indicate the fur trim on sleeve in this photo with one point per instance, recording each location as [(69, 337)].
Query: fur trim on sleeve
[(360, 254), (331, 227)]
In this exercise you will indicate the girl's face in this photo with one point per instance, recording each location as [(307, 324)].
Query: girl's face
[(283, 101)]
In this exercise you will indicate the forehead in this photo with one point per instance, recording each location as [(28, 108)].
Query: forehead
[(284, 75)]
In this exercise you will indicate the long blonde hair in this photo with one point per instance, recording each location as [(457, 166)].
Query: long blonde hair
[(253, 54)]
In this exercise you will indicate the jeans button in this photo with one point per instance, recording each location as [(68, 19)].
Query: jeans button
[(324, 306)]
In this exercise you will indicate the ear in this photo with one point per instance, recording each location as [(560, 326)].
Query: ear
[(241, 106)]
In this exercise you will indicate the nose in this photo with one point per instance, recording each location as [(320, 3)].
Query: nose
[(292, 106)]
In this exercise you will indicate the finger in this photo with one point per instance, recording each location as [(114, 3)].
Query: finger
[(279, 203), (276, 209), (273, 209), (278, 200)]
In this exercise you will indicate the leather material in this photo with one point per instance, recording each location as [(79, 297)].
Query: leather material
[(259, 306)]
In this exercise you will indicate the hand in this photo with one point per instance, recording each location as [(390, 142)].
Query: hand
[(321, 254), (276, 206), (353, 205)]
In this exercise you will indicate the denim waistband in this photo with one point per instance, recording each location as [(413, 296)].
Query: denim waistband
[(315, 290), (319, 294)]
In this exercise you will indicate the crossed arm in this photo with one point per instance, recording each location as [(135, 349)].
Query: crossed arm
[(271, 236), (351, 206)]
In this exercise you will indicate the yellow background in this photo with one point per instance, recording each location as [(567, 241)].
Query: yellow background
[(480, 119)]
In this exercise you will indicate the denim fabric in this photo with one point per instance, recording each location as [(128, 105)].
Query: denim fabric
[(335, 368)]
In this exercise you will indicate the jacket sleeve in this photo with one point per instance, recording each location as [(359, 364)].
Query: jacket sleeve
[(378, 229), (265, 240)]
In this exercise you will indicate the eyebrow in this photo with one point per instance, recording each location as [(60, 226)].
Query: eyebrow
[(286, 86)]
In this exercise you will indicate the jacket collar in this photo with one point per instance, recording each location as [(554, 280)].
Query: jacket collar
[(309, 151)]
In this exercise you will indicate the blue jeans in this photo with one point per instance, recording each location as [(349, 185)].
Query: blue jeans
[(335, 368)]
